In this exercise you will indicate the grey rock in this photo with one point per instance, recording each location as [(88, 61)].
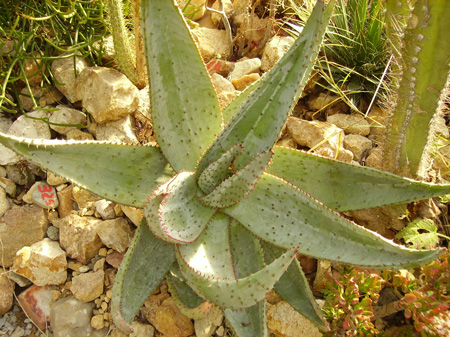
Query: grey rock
[(65, 71), (20, 174), (44, 195), (26, 97), (31, 128), (107, 94), (66, 115), (53, 233), (19, 227)]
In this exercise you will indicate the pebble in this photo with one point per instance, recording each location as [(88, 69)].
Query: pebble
[(45, 195), (115, 234), (351, 124), (274, 50), (244, 67), (88, 286), (66, 115)]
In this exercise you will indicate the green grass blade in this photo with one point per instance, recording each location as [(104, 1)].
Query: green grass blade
[(125, 174), (345, 187), (138, 274), (287, 217), (185, 109)]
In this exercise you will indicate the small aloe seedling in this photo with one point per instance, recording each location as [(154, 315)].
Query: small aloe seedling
[(226, 211)]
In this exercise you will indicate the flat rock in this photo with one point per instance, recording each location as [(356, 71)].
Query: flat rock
[(359, 145), (115, 233), (284, 321), (66, 115), (78, 236), (107, 94), (31, 128), (274, 50), (167, 318), (20, 227), (212, 43), (36, 302), (88, 286), (351, 124), (65, 72), (6, 293), (119, 131), (43, 263)]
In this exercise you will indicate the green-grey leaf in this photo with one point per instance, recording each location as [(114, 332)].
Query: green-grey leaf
[(261, 117), (180, 290), (342, 186), (247, 259), (125, 174), (293, 287), (181, 214), (218, 170), (210, 254), (238, 185), (240, 293), (185, 109), (138, 274), (248, 322), (287, 217)]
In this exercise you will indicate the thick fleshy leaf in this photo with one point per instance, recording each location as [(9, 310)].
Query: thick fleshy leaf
[(210, 254), (261, 117), (179, 288), (285, 216), (238, 185), (125, 174), (344, 187), (218, 170), (293, 287), (248, 322), (138, 274), (240, 293), (185, 109), (181, 214), (247, 259)]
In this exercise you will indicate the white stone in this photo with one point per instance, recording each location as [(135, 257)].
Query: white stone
[(119, 131), (106, 209), (221, 84), (43, 263), (244, 67), (107, 94), (63, 71), (31, 128), (274, 50), (66, 115)]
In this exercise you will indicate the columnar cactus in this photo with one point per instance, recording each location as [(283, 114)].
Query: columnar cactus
[(226, 211)]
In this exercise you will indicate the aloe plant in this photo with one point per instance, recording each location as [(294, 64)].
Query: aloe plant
[(226, 211)]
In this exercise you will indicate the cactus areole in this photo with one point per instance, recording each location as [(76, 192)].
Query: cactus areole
[(225, 210)]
